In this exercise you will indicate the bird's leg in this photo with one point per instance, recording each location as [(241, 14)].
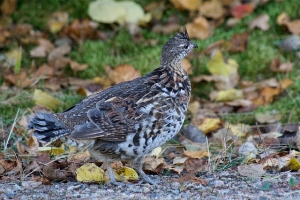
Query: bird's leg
[(110, 171), (137, 164)]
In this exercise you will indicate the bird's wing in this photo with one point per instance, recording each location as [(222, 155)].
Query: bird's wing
[(114, 118)]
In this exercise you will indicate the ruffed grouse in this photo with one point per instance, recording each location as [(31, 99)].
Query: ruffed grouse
[(130, 119)]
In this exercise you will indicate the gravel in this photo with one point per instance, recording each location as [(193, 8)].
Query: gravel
[(222, 185)]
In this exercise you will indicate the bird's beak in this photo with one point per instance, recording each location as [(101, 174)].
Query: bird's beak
[(194, 45)]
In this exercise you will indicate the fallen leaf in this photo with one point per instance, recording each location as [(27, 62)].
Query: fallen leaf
[(268, 118), (89, 173), (8, 6), (166, 28), (239, 129), (239, 42), (266, 96), (199, 28), (196, 154), (156, 152), (186, 4), (32, 144), (45, 46), (79, 157), (191, 178), (285, 83), (187, 66), (195, 165), (126, 11), (261, 22), (226, 95), (210, 124), (283, 18), (252, 170), (220, 66), (152, 163), (134, 12), (179, 160), (54, 151), (126, 173), (212, 9), (294, 26), (54, 174), (77, 67), (10, 165), (277, 66), (14, 58), (44, 99), (242, 10), (57, 21), (59, 52), (294, 164), (122, 73)]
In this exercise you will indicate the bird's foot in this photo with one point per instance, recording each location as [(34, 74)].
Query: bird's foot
[(147, 179)]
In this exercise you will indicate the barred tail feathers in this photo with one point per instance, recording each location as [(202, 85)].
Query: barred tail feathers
[(47, 128)]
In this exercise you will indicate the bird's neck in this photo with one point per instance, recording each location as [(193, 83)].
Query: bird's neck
[(174, 66)]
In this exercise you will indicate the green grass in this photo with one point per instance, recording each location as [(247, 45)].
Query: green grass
[(254, 62)]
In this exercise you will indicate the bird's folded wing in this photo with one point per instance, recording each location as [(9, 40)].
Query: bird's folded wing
[(112, 119)]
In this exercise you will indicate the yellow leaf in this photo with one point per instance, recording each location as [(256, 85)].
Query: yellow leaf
[(44, 99), (228, 95), (90, 172), (196, 154), (126, 173), (294, 164), (52, 150), (210, 124), (156, 152), (239, 129), (220, 66)]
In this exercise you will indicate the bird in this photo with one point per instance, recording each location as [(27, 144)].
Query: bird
[(128, 120)]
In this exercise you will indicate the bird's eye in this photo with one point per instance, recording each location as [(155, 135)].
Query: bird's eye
[(186, 46)]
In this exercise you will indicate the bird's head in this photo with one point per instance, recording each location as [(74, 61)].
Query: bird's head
[(177, 48)]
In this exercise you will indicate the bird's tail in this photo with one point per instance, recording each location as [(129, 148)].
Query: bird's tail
[(47, 128)]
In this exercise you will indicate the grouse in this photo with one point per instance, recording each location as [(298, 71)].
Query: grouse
[(130, 119)]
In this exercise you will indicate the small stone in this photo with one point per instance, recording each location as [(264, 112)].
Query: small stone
[(247, 148), (31, 184), (219, 183)]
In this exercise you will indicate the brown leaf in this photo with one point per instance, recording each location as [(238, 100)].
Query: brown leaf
[(54, 174), (19, 80), (44, 70), (81, 29), (186, 4), (77, 67), (191, 178), (261, 22), (294, 26), (8, 7), (239, 42), (199, 28), (32, 144), (10, 165), (151, 163), (79, 157), (277, 66), (195, 165), (196, 154), (166, 28), (242, 10), (266, 96), (122, 73), (212, 9), (187, 66), (21, 148), (45, 46), (59, 52)]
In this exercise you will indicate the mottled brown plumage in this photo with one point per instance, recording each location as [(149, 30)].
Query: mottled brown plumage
[(130, 119)]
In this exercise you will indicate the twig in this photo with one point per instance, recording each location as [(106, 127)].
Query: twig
[(11, 130), (209, 168)]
